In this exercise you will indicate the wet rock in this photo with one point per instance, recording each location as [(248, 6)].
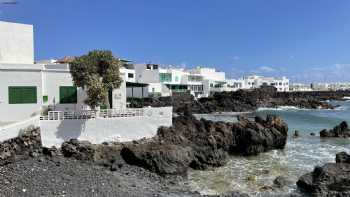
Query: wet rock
[(342, 157), (282, 181), (252, 138), (296, 134), (341, 130), (332, 179), (312, 134)]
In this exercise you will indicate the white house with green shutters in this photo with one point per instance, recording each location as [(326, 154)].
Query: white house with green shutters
[(43, 95)]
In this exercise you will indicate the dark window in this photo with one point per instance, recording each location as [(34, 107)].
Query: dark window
[(130, 75), (155, 67), (68, 94), (165, 77), (148, 66), (22, 94), (45, 98)]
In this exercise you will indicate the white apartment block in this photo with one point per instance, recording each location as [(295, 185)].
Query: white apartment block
[(299, 87), (254, 81)]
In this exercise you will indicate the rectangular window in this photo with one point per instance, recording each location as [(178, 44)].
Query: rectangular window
[(45, 98), (165, 77), (22, 94), (130, 75), (68, 94)]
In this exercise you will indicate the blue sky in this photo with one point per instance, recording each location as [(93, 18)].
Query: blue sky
[(306, 40)]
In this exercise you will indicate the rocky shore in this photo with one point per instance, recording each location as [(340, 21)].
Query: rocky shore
[(332, 179), (244, 100), (153, 167), (341, 130)]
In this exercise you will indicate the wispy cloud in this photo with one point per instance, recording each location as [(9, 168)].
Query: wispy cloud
[(266, 69)]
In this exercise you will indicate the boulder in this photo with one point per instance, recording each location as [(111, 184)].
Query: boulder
[(332, 179), (341, 130), (282, 181), (252, 138), (296, 134), (27, 144), (80, 150), (342, 157), (161, 159)]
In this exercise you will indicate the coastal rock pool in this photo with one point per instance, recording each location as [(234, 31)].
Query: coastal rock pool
[(255, 175)]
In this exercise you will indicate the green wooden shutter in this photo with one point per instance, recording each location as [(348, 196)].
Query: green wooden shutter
[(22, 94), (68, 94)]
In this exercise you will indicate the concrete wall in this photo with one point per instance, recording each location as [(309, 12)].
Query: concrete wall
[(54, 132), (24, 77), (51, 88), (143, 75), (12, 130), (16, 43)]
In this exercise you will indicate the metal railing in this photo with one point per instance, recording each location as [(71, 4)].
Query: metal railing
[(91, 114)]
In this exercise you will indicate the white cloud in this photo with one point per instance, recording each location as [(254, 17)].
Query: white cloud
[(266, 69)]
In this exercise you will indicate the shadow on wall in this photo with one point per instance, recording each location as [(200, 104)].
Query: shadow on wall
[(70, 129)]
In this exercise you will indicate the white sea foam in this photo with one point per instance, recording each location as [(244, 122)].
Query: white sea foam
[(280, 108)]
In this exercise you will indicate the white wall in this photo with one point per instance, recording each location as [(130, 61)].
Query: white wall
[(54, 132), (16, 43), (12, 130), (17, 112), (142, 75), (52, 80)]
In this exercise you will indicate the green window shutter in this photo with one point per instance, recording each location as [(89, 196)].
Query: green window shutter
[(22, 94), (68, 95), (45, 98)]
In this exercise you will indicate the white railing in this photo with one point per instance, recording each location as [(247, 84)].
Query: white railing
[(115, 113), (91, 114)]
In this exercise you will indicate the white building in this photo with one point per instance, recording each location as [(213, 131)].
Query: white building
[(254, 81), (16, 46), (43, 95), (299, 87)]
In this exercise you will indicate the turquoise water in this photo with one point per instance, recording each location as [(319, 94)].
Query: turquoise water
[(255, 175)]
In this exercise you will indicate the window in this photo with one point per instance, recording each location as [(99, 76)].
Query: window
[(280, 83), (45, 98), (148, 66), (22, 94), (176, 78), (155, 67), (130, 75), (68, 94), (165, 77)]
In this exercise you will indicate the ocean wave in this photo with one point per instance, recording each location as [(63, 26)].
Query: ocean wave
[(281, 108), (346, 97)]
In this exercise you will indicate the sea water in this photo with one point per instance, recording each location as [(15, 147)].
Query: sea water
[(254, 175)]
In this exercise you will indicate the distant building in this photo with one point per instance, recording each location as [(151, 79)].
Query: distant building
[(254, 81), (300, 87)]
